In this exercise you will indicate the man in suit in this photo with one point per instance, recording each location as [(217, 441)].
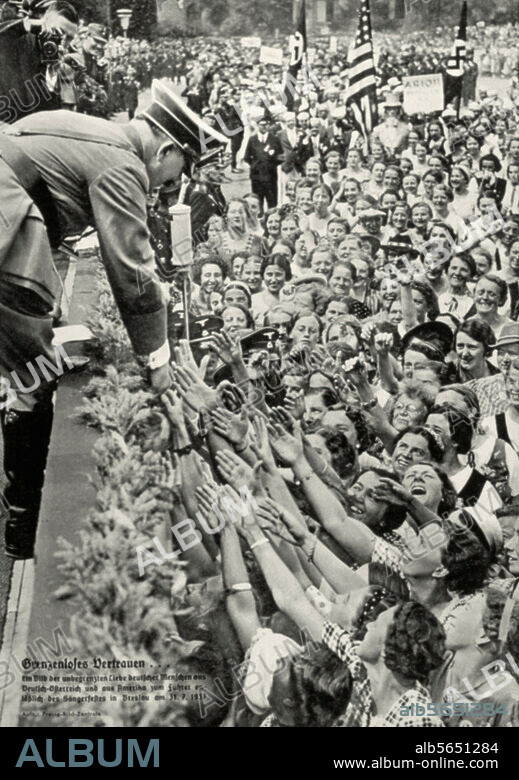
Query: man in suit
[(263, 154), (60, 172)]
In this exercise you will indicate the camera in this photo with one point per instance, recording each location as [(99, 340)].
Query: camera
[(49, 45)]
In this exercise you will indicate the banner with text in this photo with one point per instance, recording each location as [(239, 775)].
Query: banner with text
[(269, 55), (423, 94)]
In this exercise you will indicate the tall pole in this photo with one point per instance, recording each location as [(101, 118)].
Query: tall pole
[(109, 15)]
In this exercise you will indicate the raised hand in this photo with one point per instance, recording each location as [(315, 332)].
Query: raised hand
[(192, 388), (354, 371), (270, 512), (383, 343), (288, 447), (173, 405), (260, 445), (184, 358), (233, 427), (236, 472), (284, 418), (227, 346)]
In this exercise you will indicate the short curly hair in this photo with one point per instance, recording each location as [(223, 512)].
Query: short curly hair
[(321, 685), (495, 604), (435, 446), (344, 456), (209, 259), (465, 558), (416, 391), (415, 643)]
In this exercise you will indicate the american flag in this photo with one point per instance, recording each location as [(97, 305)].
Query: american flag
[(362, 92), (456, 61)]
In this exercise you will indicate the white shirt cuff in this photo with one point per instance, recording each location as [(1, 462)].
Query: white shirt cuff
[(160, 357)]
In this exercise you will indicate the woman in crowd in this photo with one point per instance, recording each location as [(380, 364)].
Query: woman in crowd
[(458, 300), (272, 228), (370, 407), (490, 294), (463, 201), (474, 342), (317, 220), (238, 236), (275, 271)]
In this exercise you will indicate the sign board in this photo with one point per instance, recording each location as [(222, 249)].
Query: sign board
[(310, 54), (333, 44), (269, 55), (250, 43), (423, 94)]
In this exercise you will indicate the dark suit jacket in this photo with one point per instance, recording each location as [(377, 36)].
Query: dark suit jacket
[(263, 158), (23, 88), (289, 152)]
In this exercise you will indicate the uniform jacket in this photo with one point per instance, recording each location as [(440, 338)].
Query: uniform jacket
[(95, 172)]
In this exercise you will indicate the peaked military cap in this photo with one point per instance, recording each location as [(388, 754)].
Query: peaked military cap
[(200, 142)]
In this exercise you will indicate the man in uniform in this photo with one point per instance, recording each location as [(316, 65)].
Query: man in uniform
[(90, 75), (60, 172)]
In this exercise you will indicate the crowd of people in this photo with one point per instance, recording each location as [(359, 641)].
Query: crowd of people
[(351, 384), (355, 370)]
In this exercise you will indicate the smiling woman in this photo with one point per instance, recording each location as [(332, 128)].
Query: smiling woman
[(413, 445), (474, 342)]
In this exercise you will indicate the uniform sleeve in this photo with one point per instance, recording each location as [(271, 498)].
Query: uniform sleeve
[(118, 199)]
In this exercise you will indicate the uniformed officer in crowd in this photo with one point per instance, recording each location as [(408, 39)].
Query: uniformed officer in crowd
[(60, 172)]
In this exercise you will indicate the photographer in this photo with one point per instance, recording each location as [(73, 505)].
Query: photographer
[(30, 59)]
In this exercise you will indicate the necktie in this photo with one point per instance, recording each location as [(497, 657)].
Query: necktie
[(453, 305)]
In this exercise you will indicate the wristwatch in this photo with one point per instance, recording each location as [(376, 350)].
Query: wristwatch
[(367, 405)]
